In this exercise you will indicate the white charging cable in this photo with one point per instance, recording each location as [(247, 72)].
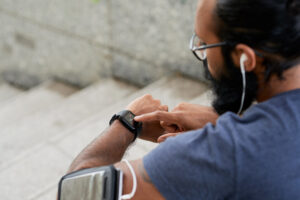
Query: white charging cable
[(130, 195)]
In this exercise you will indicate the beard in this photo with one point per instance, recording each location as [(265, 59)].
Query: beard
[(228, 87)]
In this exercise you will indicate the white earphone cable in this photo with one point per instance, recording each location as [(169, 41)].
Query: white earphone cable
[(130, 195), (242, 66)]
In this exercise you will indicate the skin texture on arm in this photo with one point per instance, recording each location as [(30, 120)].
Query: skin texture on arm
[(111, 145), (107, 149), (94, 157)]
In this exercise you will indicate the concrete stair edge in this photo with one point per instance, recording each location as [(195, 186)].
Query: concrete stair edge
[(27, 103), (40, 131), (8, 92)]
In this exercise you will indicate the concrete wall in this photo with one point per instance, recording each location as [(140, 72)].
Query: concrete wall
[(79, 41)]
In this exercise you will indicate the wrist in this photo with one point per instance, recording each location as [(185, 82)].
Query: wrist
[(134, 111), (122, 132), (126, 118)]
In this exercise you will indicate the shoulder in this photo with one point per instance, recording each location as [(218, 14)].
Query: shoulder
[(270, 118), (195, 164)]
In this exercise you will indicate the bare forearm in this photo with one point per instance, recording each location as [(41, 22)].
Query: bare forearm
[(107, 149)]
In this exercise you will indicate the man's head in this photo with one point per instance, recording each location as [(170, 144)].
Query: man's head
[(267, 32)]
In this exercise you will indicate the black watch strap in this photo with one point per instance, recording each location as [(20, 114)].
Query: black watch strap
[(126, 117)]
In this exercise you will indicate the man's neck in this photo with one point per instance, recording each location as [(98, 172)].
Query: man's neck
[(290, 81)]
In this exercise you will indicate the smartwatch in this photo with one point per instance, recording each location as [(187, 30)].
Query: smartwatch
[(126, 117)]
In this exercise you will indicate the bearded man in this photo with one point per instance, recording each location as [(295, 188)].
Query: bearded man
[(236, 149)]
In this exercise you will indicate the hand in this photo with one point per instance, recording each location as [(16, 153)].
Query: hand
[(167, 135), (184, 117), (143, 105), (190, 117)]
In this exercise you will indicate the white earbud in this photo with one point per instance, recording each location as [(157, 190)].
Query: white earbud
[(243, 59)]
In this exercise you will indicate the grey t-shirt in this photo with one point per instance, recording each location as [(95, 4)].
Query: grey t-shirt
[(256, 156)]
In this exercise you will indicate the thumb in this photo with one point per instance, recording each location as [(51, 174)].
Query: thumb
[(169, 127), (165, 136)]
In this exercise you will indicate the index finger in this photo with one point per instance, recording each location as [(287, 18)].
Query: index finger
[(157, 116)]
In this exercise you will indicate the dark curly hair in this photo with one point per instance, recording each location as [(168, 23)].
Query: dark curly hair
[(271, 27)]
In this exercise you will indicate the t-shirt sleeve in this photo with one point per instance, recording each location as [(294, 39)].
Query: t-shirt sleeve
[(195, 165)]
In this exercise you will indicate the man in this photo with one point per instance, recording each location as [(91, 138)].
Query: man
[(251, 52)]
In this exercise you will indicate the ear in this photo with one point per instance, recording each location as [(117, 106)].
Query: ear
[(240, 49)]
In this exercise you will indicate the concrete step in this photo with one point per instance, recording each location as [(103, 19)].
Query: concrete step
[(29, 176), (68, 144), (43, 98), (19, 138), (8, 92), (204, 99), (47, 194)]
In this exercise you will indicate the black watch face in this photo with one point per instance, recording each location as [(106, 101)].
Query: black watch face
[(129, 118)]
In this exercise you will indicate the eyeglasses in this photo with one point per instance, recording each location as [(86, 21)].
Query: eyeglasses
[(199, 48)]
